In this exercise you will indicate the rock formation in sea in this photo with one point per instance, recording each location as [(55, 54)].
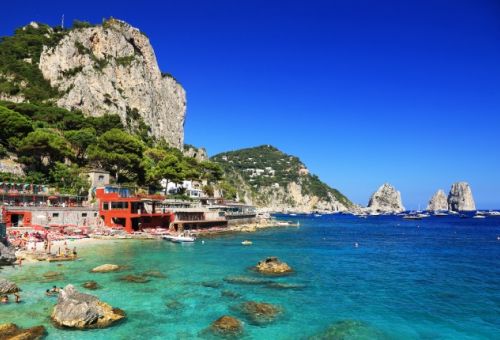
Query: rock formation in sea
[(112, 68), (11, 331), (259, 313), (460, 197), (438, 202), (83, 311), (227, 326), (273, 266), (106, 268), (7, 255), (386, 199), (8, 287)]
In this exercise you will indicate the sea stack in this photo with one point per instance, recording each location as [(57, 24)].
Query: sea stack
[(438, 202), (386, 199), (460, 197)]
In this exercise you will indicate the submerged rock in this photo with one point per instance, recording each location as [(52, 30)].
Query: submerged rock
[(227, 326), (7, 255), (154, 273), (246, 280), (8, 287), (82, 311), (438, 202), (106, 268), (272, 265), (230, 294), (134, 278), (349, 330), (12, 331), (284, 285), (460, 197), (174, 305), (211, 284), (386, 199), (92, 285), (260, 313)]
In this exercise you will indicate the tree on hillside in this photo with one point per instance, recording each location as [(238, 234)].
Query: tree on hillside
[(41, 148), (161, 164), (118, 152), (80, 140), (13, 126), (68, 179)]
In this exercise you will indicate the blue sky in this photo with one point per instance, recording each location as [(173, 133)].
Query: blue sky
[(364, 92)]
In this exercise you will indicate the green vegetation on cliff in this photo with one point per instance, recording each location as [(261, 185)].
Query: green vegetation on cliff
[(57, 146), (253, 169)]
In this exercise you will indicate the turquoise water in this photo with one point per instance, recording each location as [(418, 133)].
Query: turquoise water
[(437, 278)]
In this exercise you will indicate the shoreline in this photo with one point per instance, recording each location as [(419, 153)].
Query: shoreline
[(59, 246)]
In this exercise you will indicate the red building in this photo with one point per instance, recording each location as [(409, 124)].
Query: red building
[(118, 207)]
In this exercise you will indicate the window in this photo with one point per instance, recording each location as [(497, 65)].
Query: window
[(95, 214), (119, 205), (105, 206), (84, 214), (100, 178), (55, 214)]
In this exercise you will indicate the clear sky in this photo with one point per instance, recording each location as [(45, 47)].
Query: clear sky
[(364, 92)]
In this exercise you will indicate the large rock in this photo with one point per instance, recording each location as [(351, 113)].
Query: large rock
[(112, 68), (386, 199), (106, 268), (227, 326), (350, 330), (438, 202), (260, 313), (460, 197), (13, 332), (272, 265), (7, 255), (7, 287), (82, 311)]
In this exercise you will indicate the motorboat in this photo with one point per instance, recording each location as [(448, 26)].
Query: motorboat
[(412, 217), (180, 238), (478, 216), (247, 243)]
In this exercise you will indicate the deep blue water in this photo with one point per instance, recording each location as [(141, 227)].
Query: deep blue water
[(437, 278)]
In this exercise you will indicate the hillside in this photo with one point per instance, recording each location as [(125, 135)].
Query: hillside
[(269, 178), (109, 68)]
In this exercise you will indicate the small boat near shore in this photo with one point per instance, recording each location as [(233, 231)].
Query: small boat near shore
[(246, 243), (180, 238)]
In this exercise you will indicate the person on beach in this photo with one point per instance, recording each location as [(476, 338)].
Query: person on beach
[(54, 289), (74, 251), (5, 299), (48, 292), (18, 297)]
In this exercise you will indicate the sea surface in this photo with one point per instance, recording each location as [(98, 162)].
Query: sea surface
[(437, 278)]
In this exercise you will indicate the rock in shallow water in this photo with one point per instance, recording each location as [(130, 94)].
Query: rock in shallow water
[(273, 266), (83, 311), (260, 313), (284, 285), (8, 287), (92, 285), (7, 255), (227, 326), (349, 330), (106, 268), (12, 331), (211, 284), (154, 273), (246, 280), (134, 278)]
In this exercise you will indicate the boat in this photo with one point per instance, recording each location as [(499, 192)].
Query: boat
[(182, 238), (247, 243), (293, 214), (317, 215), (478, 216), (412, 217), (440, 214)]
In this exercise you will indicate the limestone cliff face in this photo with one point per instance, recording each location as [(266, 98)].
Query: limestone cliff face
[(113, 69), (200, 154), (460, 197), (438, 202), (386, 199)]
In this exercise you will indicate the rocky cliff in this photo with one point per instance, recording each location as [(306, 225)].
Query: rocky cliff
[(386, 199), (460, 197), (108, 68), (438, 202), (270, 179)]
